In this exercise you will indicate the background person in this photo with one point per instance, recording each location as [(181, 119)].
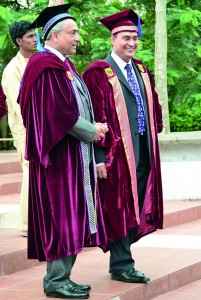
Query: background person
[(24, 39)]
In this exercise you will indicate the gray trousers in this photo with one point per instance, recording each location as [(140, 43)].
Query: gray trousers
[(58, 272)]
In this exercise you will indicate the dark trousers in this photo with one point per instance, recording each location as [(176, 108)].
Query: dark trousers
[(58, 272), (143, 169), (120, 253)]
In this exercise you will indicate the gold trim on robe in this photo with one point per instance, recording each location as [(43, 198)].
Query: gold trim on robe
[(126, 136), (147, 84)]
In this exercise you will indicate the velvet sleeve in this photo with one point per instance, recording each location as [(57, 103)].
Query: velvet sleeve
[(52, 112), (83, 130), (3, 109), (103, 104)]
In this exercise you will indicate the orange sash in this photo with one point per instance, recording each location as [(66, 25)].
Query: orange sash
[(146, 81), (122, 115)]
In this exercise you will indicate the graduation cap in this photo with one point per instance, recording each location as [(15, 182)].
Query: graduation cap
[(50, 16), (126, 20)]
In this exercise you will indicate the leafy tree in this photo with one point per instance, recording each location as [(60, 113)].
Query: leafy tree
[(11, 11), (184, 119), (184, 53)]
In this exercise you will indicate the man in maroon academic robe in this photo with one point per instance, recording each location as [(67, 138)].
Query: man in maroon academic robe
[(64, 210), (128, 162)]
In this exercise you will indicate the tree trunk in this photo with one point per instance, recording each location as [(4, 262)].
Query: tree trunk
[(161, 60)]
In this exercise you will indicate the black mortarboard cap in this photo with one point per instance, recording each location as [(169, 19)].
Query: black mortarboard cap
[(50, 16)]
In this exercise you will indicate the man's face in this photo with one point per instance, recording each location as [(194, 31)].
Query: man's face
[(68, 38), (28, 41), (125, 44)]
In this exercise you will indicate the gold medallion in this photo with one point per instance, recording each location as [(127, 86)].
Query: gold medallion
[(140, 67), (70, 76), (109, 72)]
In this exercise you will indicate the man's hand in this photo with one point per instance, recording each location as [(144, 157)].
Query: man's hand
[(101, 129), (101, 172)]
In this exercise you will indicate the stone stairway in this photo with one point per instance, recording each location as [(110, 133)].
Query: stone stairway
[(10, 184), (187, 292), (171, 257)]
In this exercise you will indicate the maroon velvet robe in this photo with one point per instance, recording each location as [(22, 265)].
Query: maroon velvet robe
[(115, 191), (3, 108), (58, 221)]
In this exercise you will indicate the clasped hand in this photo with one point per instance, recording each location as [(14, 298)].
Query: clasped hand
[(101, 129)]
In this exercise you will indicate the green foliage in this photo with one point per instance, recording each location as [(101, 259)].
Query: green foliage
[(171, 76), (5, 17), (96, 43), (147, 57), (184, 52), (184, 118), (184, 44)]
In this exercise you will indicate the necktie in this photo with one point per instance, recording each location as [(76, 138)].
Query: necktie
[(136, 91)]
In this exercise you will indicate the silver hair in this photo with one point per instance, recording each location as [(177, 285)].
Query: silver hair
[(58, 27)]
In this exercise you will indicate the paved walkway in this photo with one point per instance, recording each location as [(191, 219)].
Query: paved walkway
[(171, 257)]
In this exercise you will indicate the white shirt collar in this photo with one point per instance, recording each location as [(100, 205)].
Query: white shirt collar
[(119, 61), (56, 52)]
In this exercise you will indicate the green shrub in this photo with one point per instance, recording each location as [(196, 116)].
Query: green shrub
[(183, 118)]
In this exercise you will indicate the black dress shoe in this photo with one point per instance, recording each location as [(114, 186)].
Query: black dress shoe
[(83, 287), (68, 291), (133, 276)]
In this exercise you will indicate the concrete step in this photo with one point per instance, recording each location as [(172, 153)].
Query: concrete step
[(172, 208), (181, 211), (176, 212), (9, 210), (190, 291), (13, 252), (10, 173), (10, 186), (10, 199), (171, 257), (9, 162), (10, 183), (6, 155), (163, 255)]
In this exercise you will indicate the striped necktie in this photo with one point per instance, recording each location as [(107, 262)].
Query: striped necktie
[(136, 91)]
